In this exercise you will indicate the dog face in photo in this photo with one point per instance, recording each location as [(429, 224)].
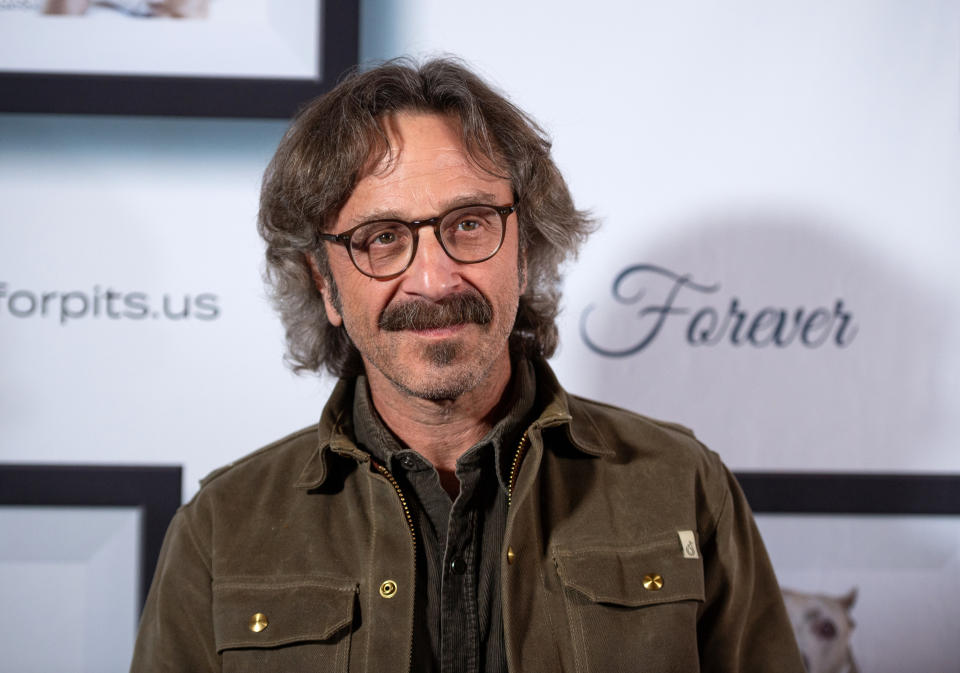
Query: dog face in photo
[(822, 625)]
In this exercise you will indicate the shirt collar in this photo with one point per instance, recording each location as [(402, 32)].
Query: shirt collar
[(549, 404), (373, 436)]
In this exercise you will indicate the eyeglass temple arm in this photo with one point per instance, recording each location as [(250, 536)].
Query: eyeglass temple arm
[(342, 239)]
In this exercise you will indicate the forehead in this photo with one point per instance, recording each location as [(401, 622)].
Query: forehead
[(426, 169)]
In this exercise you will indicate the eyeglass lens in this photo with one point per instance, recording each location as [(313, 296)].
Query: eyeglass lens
[(468, 235)]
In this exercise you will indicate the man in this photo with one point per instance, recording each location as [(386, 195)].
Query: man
[(455, 509)]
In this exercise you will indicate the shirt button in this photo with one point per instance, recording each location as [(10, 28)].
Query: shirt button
[(388, 589), (258, 622), (653, 582), (408, 461), (458, 566)]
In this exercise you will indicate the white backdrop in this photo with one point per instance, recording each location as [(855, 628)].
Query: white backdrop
[(787, 158), (799, 159)]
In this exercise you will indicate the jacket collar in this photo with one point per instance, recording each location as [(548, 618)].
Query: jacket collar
[(335, 429), (561, 408), (334, 433)]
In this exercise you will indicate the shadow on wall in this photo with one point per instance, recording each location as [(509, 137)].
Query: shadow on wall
[(783, 343)]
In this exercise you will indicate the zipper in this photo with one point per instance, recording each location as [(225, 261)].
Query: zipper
[(515, 466), (403, 501), (413, 537)]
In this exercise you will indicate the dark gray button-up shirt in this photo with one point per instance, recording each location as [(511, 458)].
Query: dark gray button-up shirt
[(459, 626)]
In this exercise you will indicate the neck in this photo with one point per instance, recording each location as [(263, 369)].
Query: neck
[(441, 430)]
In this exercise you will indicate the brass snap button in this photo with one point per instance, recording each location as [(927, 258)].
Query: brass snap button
[(511, 556), (258, 622), (388, 589), (652, 582)]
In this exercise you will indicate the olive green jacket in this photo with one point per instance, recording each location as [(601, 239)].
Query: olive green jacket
[(628, 547)]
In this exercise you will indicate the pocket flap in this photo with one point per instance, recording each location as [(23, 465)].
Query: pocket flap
[(267, 612), (647, 574)]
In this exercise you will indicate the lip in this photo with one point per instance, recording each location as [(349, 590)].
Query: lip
[(439, 332)]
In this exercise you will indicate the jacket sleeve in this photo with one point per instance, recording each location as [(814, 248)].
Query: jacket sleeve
[(176, 628), (743, 625)]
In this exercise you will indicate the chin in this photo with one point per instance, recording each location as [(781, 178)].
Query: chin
[(442, 393), (441, 382), (443, 354), (444, 374), (446, 388), (441, 370)]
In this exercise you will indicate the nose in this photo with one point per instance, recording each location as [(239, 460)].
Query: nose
[(432, 274)]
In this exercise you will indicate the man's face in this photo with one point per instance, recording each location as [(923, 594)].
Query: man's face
[(427, 173)]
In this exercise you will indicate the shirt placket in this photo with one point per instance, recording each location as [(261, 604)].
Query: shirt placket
[(458, 593)]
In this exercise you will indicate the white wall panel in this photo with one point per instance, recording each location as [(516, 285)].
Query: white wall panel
[(792, 155), (126, 224)]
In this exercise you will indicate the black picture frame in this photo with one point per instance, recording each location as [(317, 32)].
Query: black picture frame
[(190, 96), (851, 493), (868, 546), (156, 490)]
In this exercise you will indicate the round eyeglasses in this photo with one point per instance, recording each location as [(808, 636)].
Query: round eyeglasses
[(385, 248)]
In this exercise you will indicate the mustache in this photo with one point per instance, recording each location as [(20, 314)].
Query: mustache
[(419, 314)]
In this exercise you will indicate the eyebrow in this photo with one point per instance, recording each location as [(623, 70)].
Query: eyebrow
[(473, 198)]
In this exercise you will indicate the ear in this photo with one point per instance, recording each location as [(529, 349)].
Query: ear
[(323, 286), (848, 600)]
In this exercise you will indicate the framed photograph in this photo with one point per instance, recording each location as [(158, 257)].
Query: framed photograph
[(869, 564), (208, 58), (78, 548), (153, 491)]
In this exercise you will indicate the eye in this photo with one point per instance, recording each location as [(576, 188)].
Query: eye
[(826, 629), (377, 235), (468, 225)]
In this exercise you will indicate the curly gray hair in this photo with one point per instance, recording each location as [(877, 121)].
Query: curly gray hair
[(337, 138)]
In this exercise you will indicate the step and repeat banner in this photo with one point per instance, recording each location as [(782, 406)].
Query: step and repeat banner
[(777, 266)]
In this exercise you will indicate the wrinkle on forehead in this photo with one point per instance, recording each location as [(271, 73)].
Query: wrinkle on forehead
[(383, 159)]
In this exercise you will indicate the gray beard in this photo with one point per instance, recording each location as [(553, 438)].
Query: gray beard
[(443, 354), (447, 391)]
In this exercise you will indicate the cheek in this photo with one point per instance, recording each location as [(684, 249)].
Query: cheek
[(515, 264), (505, 286), (363, 300)]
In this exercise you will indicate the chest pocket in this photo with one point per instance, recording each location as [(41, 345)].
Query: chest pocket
[(632, 608), (283, 623)]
